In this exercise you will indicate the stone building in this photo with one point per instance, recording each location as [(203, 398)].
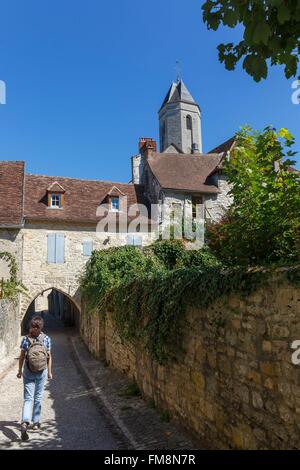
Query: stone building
[(180, 178), (52, 224)]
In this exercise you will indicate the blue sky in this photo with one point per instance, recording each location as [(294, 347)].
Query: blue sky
[(85, 80)]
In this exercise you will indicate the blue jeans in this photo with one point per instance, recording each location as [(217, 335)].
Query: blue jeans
[(34, 385)]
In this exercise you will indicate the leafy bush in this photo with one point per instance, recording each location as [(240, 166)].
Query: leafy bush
[(109, 268), (263, 223), (203, 258), (171, 253)]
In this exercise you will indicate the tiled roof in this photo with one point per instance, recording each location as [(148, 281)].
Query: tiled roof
[(82, 197), (184, 172), (55, 187), (225, 147), (11, 193)]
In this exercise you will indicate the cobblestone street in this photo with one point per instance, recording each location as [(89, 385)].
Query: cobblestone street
[(84, 409), (70, 418)]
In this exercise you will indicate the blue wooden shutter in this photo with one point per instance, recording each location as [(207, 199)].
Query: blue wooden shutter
[(87, 248), (51, 248), (60, 248)]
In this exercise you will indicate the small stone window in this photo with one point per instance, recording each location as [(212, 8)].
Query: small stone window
[(196, 202), (189, 123)]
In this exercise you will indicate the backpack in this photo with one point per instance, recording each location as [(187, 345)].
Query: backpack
[(37, 355)]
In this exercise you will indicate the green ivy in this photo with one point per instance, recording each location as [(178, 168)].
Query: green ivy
[(107, 269), (147, 291), (152, 310), (10, 288)]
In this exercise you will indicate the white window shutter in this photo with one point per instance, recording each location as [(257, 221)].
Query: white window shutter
[(60, 248), (51, 248), (87, 248)]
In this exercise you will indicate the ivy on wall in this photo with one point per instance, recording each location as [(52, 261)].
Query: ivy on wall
[(10, 288), (153, 310), (148, 291)]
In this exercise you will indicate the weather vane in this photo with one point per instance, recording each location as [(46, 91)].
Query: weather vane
[(178, 71)]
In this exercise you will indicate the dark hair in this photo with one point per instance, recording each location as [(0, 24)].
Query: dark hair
[(37, 320)]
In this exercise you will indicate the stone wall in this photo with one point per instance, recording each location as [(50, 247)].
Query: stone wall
[(10, 241), (235, 382), (9, 333), (216, 206), (39, 275)]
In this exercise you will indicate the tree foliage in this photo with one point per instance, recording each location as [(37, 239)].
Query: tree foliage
[(271, 33), (263, 224)]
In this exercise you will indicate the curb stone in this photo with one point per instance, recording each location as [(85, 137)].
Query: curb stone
[(140, 423), (122, 429)]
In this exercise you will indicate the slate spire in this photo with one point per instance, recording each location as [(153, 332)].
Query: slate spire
[(178, 92)]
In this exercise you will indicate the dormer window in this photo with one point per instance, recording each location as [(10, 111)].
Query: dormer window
[(114, 199), (115, 204), (56, 196)]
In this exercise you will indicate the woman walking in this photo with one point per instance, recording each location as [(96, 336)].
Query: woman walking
[(37, 360)]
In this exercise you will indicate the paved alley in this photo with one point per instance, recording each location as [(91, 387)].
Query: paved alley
[(85, 407), (70, 417)]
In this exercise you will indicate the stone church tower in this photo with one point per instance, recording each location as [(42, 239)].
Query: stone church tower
[(180, 121)]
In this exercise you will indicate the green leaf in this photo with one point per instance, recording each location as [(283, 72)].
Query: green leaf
[(291, 66), (284, 14), (256, 67), (230, 18), (271, 25), (261, 33), (230, 61), (212, 20)]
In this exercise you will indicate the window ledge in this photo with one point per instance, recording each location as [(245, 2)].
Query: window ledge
[(55, 208)]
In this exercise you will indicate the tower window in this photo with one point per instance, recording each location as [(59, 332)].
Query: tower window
[(197, 207), (163, 136), (189, 123)]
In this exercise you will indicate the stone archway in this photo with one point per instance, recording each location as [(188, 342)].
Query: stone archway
[(52, 295), (26, 300)]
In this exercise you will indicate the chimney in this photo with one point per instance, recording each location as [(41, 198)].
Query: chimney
[(147, 146)]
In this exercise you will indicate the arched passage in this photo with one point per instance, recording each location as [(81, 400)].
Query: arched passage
[(55, 306)]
